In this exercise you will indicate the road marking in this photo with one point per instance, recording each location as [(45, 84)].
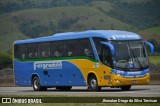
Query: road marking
[(8, 91)]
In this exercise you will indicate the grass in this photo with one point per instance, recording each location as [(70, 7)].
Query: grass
[(154, 30), (154, 59), (151, 33)]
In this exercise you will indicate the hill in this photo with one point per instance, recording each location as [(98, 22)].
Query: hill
[(138, 14), (43, 22), (22, 19), (149, 33), (14, 5), (8, 33)]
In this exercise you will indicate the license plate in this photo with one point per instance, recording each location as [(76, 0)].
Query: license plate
[(134, 81)]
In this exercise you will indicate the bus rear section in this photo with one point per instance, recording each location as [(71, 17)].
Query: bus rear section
[(59, 67)]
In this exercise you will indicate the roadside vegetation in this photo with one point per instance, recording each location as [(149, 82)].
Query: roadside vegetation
[(154, 60)]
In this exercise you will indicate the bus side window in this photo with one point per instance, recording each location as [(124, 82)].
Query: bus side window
[(56, 54), (44, 50), (58, 49), (70, 53), (31, 50), (23, 56), (85, 48), (16, 51), (53, 49), (43, 54), (31, 55), (72, 47), (19, 51), (88, 52)]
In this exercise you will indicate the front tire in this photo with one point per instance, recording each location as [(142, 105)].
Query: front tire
[(93, 83), (126, 88), (36, 85)]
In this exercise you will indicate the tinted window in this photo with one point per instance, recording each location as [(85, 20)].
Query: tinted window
[(85, 48), (44, 50), (19, 51), (98, 45), (68, 48), (106, 57), (31, 50), (58, 48), (72, 48), (80, 47), (97, 42)]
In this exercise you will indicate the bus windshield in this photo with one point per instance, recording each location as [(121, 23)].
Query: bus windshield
[(130, 55)]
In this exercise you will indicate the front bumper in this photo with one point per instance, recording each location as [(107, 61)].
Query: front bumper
[(118, 80)]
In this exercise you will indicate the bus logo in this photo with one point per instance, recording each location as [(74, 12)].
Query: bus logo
[(48, 65)]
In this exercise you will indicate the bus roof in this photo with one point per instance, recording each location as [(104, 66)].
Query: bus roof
[(107, 34)]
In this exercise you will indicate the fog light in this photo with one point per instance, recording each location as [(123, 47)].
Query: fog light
[(117, 81)]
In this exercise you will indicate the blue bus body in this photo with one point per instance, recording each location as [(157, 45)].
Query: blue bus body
[(54, 72)]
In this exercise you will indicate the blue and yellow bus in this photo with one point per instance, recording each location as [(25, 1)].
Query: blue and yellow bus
[(94, 58)]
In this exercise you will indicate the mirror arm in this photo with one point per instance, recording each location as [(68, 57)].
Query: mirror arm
[(151, 46), (111, 47)]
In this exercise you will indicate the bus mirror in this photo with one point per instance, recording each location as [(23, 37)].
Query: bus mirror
[(151, 46), (111, 47)]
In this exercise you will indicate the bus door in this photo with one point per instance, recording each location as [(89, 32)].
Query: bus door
[(106, 56), (107, 62)]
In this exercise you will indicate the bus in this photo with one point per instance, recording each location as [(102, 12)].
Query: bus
[(93, 58)]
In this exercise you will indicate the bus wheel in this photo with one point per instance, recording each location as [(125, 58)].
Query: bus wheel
[(64, 88), (93, 83), (126, 88), (36, 85)]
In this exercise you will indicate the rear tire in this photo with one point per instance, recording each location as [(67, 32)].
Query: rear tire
[(126, 88), (36, 85), (93, 83)]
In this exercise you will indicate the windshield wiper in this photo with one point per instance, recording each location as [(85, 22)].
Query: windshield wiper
[(141, 67)]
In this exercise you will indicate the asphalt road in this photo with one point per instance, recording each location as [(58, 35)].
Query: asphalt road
[(136, 91)]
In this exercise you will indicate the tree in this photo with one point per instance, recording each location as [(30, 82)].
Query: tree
[(5, 61)]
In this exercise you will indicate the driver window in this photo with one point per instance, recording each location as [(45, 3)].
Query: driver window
[(107, 58)]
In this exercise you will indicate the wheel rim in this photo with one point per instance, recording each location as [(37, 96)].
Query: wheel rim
[(93, 83), (36, 84)]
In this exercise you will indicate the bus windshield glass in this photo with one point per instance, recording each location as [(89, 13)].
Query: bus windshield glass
[(130, 55)]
